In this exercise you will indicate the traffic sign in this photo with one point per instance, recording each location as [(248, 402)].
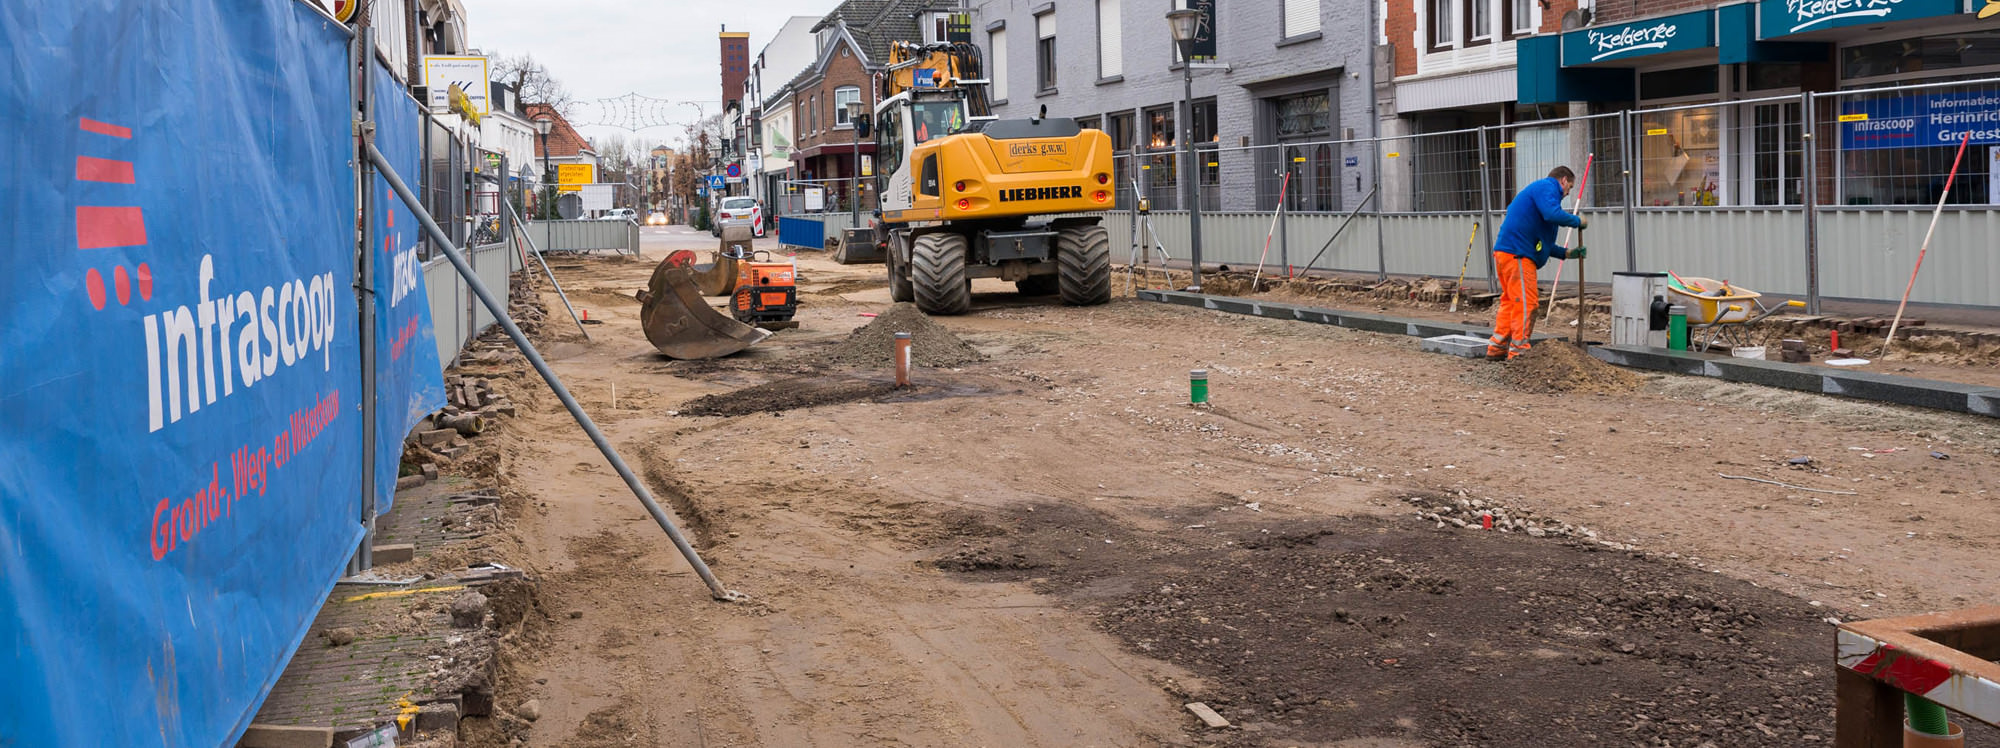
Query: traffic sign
[(715, 182), (733, 170)]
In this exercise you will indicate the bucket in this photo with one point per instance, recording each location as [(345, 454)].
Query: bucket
[(1198, 386), (1748, 351)]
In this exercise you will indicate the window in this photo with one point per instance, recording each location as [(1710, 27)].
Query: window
[(1160, 128), (1045, 51), (812, 111), (1204, 122), (1110, 54), (1521, 16), (1926, 55), (935, 119), (1087, 123), (1444, 23), (1304, 114), (1121, 131), (1301, 17), (889, 143), (998, 43), (1479, 17), (841, 96)]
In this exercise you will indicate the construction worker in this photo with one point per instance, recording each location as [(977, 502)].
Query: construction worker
[(1526, 240)]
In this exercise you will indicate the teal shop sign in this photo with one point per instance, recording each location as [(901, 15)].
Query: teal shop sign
[(1784, 17), (1639, 38)]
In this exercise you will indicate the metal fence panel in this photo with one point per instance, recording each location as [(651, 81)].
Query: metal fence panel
[(579, 235), (1867, 254), (1759, 248)]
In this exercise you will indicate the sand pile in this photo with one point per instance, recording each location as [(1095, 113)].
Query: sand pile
[(1558, 366), (873, 344)]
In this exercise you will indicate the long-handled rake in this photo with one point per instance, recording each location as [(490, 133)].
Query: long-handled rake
[(1459, 289)]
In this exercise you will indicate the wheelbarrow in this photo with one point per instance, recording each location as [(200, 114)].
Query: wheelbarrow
[(1719, 310)]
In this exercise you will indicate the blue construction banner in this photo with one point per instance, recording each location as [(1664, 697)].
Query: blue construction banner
[(409, 382), (1928, 120), (180, 431)]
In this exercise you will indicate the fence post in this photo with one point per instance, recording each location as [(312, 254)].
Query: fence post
[(1284, 234), (1381, 242), (1809, 199), (1486, 195), (362, 58), (1628, 185)]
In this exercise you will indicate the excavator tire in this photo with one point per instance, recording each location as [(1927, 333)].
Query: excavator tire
[(937, 270), (1083, 262), (900, 287), (1037, 285)]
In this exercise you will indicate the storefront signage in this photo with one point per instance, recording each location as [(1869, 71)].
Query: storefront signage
[(1783, 17), (1639, 38), (1935, 120)]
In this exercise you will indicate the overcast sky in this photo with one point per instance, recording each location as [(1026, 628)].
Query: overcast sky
[(666, 49)]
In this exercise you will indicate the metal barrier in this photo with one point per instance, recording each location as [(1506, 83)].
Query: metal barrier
[(800, 231), (1734, 189), (584, 235), (456, 315)]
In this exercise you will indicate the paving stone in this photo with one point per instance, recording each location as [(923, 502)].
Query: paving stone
[(394, 553), (1463, 346), (1771, 373), (1923, 393), (1657, 359), (280, 736)]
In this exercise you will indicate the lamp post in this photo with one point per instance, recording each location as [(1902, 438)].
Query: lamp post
[(1182, 22), (543, 124), (854, 111)]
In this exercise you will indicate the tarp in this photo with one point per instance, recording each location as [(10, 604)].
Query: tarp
[(409, 381), (179, 377)]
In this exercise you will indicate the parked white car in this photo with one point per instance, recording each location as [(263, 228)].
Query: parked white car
[(620, 214), (739, 211)]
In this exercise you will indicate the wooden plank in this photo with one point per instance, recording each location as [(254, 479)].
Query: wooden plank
[(1206, 714), (1867, 713)]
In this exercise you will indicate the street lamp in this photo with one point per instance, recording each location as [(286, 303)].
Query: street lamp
[(1183, 23), (543, 124), (855, 110)]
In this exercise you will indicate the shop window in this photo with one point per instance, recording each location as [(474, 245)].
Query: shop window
[(1304, 114), (1121, 131), (1777, 161), (1673, 84), (1925, 55), (1680, 157), (1159, 128)]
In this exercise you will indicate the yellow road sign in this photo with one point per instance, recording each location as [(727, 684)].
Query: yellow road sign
[(572, 177)]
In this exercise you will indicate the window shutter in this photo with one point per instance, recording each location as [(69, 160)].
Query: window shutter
[(1301, 17), (1045, 25), (998, 42), (1110, 54)]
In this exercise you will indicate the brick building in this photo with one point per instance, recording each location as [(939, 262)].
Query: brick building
[(1298, 77), (735, 65)]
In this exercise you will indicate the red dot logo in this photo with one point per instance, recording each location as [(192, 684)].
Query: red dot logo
[(123, 283), (145, 282), (93, 282)]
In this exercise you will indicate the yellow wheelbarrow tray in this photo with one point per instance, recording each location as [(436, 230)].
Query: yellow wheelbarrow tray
[(1720, 306)]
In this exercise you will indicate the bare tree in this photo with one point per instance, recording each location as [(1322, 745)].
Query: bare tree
[(534, 82)]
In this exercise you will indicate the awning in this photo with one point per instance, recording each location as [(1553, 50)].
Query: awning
[(1737, 40), (1622, 43), (1540, 77), (1776, 18), (1452, 91)]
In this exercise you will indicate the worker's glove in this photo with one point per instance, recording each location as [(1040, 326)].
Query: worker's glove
[(1582, 223), (1577, 252)]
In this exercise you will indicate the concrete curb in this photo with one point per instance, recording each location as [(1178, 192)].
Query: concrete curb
[(1860, 385)]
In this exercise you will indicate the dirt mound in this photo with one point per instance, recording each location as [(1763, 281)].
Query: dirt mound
[(787, 394), (873, 344), (1557, 366)]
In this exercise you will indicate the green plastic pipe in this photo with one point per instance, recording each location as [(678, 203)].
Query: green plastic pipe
[(1925, 716)]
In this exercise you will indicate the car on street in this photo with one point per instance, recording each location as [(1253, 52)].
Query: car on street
[(656, 219), (620, 214), (739, 211)]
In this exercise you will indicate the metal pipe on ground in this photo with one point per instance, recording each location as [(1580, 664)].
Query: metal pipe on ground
[(506, 323), (521, 226)]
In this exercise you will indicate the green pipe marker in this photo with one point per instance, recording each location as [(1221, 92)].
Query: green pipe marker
[(1198, 386), (1677, 327)]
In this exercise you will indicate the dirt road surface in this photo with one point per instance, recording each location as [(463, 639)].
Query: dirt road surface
[(1050, 547)]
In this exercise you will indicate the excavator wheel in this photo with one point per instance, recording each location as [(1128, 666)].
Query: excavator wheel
[(937, 270), (1083, 262), (900, 286)]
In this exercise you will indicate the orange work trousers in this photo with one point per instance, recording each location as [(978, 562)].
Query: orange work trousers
[(1514, 323)]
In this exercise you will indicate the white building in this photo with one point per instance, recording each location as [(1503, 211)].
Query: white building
[(769, 119)]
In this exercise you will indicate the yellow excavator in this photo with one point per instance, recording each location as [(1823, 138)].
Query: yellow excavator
[(966, 195)]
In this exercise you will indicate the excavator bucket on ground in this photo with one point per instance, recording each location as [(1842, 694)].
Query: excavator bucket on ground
[(718, 276), (680, 323)]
